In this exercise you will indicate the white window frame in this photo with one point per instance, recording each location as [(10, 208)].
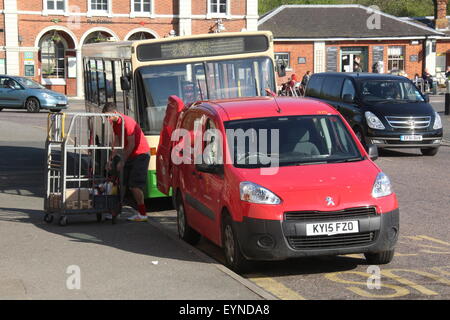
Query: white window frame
[(150, 14), (288, 67), (46, 11), (213, 15), (100, 13)]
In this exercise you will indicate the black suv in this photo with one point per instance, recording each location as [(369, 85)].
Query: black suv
[(384, 110)]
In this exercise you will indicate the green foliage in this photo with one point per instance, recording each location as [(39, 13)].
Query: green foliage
[(403, 8)]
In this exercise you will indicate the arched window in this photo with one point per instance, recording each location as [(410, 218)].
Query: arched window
[(52, 56), (98, 36), (142, 35)]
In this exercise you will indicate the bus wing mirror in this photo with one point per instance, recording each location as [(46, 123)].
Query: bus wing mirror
[(125, 83)]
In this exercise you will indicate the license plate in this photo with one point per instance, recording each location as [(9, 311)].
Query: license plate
[(332, 228), (411, 138)]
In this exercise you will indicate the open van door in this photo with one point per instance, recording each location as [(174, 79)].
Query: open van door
[(163, 161)]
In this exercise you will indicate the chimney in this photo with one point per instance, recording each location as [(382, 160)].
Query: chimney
[(440, 14)]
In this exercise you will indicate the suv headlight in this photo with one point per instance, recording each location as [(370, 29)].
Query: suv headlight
[(373, 121), (251, 192), (382, 186), (437, 121)]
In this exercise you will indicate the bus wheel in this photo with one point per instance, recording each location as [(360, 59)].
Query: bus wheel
[(233, 255), (185, 232)]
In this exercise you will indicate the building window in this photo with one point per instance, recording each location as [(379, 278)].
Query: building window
[(396, 58), (142, 6), (283, 58), (99, 5), (52, 58), (218, 6), (56, 5)]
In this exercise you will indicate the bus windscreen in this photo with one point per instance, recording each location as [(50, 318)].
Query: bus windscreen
[(192, 82), (202, 47)]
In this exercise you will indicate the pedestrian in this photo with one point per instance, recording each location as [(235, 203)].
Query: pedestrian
[(357, 64), (134, 158), (428, 79), (447, 73), (305, 81)]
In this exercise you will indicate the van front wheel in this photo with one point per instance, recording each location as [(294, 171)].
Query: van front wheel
[(233, 255), (383, 257)]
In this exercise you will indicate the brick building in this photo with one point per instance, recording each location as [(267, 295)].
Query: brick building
[(347, 38), (42, 39)]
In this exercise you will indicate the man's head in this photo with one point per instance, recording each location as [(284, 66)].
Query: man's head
[(110, 107)]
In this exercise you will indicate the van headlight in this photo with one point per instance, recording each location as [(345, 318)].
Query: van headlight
[(373, 121), (437, 121), (251, 192), (382, 186)]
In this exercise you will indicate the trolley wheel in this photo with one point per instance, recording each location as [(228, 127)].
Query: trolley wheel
[(48, 218), (99, 217), (63, 221)]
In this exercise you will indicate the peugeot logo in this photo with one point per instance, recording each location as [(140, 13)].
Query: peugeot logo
[(329, 201)]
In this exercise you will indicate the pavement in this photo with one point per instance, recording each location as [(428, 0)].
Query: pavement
[(86, 259)]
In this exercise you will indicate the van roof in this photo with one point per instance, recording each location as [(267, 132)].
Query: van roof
[(362, 75), (262, 107)]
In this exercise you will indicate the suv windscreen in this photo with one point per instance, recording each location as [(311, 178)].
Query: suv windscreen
[(382, 91), (293, 140)]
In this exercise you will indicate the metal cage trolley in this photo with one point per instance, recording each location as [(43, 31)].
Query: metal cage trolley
[(78, 180)]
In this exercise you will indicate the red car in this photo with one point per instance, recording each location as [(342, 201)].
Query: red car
[(275, 178)]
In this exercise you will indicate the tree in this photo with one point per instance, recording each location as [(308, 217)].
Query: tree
[(403, 8)]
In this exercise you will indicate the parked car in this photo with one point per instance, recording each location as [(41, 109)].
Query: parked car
[(321, 195), (23, 93), (386, 110)]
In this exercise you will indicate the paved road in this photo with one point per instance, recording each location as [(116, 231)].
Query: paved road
[(118, 261)]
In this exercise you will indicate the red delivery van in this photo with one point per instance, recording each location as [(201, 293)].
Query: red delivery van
[(275, 178)]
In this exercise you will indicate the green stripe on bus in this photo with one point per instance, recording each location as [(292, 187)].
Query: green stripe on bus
[(152, 190)]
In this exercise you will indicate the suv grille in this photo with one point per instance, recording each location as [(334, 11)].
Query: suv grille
[(361, 212), (343, 240), (409, 123)]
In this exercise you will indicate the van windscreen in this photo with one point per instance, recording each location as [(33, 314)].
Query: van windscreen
[(292, 140), (395, 91)]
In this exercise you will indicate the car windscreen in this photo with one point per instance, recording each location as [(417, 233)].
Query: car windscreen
[(386, 91), (293, 140), (29, 84)]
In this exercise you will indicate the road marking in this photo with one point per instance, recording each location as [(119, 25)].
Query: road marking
[(398, 291), (274, 287)]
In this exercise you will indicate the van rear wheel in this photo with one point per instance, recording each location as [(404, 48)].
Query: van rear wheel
[(233, 255), (185, 232), (383, 257)]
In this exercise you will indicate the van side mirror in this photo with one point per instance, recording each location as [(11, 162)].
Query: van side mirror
[(209, 168), (348, 98), (125, 83), (372, 150), (427, 98)]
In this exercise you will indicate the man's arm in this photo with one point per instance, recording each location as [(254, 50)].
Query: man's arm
[(130, 144)]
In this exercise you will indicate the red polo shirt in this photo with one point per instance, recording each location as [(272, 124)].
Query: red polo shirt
[(131, 128)]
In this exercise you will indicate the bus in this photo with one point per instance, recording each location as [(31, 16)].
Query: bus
[(139, 76)]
